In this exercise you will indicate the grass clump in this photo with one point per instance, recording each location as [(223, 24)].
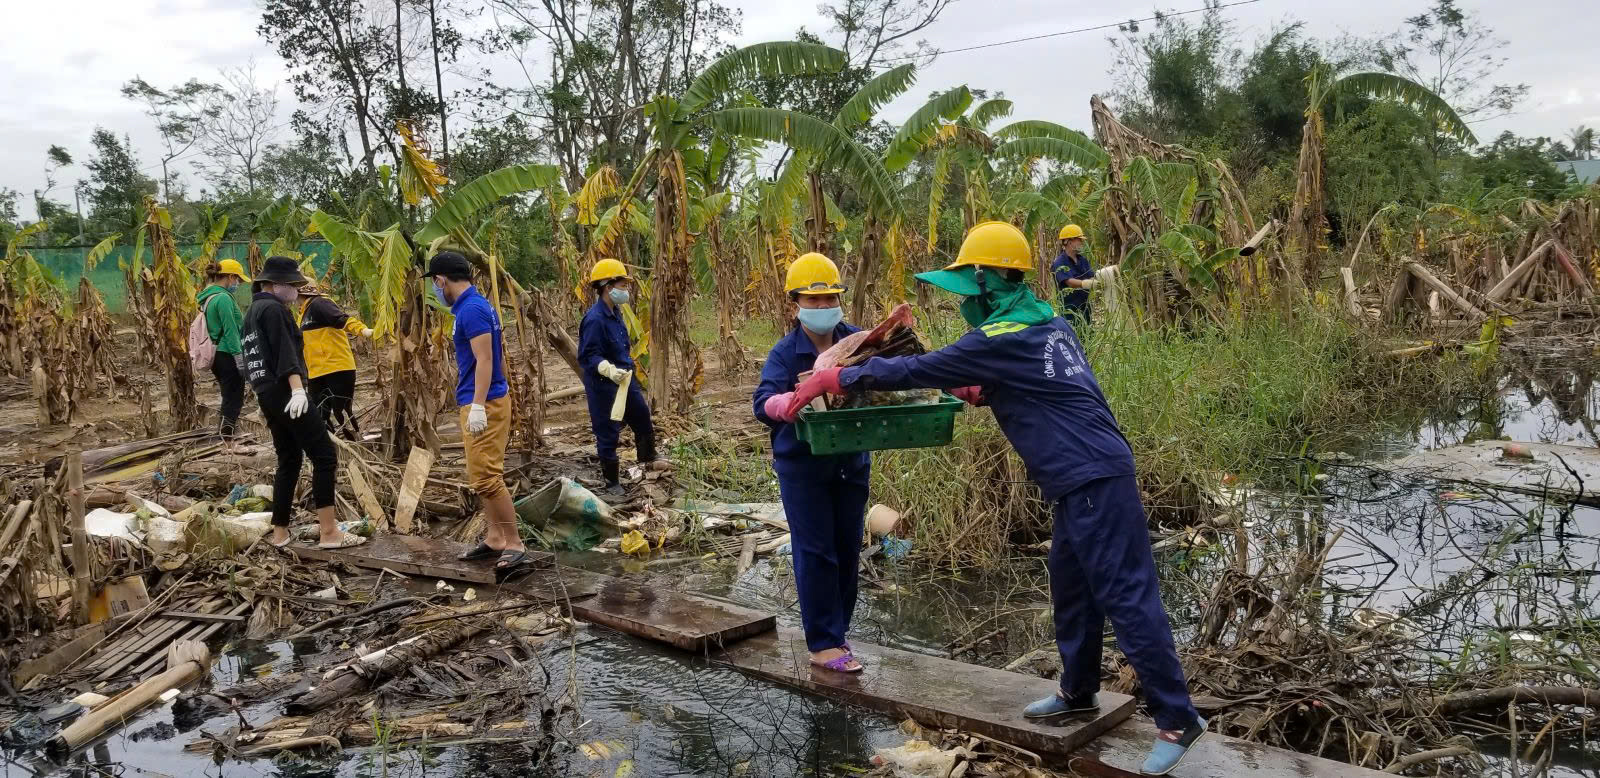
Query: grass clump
[(1194, 405)]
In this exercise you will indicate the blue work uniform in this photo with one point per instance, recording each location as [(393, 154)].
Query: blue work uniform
[(824, 499), (604, 337), (1073, 301), (1048, 404)]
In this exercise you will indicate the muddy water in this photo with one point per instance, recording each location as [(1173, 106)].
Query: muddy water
[(660, 713)]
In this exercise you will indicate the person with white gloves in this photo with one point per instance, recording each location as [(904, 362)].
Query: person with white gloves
[(485, 406), (332, 363), (275, 366), (605, 355)]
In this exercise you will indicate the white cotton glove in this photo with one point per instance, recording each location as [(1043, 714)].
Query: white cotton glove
[(611, 372), (477, 419), (298, 404), (1088, 283), (366, 333)]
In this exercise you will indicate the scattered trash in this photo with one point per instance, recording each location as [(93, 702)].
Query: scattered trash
[(118, 599), (895, 548), (918, 759), (103, 523), (470, 594), (635, 543), (1516, 451), (564, 512), (882, 520), (91, 700)]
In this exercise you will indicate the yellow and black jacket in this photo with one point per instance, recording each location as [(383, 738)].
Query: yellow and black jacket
[(324, 327)]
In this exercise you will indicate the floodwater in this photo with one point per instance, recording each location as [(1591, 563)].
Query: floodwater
[(1461, 569)]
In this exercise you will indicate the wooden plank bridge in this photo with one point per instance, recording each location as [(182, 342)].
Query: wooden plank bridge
[(934, 691)]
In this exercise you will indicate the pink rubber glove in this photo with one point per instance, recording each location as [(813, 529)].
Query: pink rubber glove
[(777, 407), (824, 381), (971, 395)]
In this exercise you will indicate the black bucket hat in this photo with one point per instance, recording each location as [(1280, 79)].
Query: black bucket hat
[(282, 270)]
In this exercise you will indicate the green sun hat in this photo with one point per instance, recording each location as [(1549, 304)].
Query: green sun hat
[(960, 281)]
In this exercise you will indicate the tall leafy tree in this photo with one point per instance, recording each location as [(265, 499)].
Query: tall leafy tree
[(177, 112), (115, 188), (1456, 56), (340, 59)]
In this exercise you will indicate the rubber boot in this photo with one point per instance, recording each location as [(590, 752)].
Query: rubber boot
[(612, 470), (645, 444)]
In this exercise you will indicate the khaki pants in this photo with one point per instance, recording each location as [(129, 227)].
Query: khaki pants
[(486, 451)]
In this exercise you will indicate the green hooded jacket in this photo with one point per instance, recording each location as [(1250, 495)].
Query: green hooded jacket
[(222, 318)]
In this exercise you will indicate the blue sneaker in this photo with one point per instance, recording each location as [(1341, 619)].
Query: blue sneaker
[(1166, 754), (1056, 705)]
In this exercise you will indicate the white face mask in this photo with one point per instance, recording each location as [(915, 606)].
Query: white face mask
[(288, 293)]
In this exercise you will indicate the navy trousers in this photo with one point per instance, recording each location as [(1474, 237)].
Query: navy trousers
[(1101, 567), (826, 510), (636, 415)]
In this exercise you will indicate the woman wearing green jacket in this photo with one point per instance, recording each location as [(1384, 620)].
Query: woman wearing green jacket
[(223, 320)]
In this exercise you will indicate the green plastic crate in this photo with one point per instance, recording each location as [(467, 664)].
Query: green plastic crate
[(882, 427)]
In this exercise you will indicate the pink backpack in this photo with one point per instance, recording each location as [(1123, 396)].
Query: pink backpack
[(202, 352)]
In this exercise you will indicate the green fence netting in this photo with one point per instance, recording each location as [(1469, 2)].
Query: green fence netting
[(67, 264)]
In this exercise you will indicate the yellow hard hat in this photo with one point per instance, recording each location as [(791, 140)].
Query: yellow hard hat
[(1071, 231), (607, 269), (995, 244), (813, 273), (232, 267)]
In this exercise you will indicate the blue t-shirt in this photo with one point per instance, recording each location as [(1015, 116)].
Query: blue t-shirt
[(1042, 392), (474, 317)]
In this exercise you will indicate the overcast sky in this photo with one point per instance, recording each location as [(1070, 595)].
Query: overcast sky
[(65, 60)]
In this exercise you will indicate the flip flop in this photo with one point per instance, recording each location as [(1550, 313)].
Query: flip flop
[(483, 551), (511, 563), (286, 541), (841, 664), (346, 540)]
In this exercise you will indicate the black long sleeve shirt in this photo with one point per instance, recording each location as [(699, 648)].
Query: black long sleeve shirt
[(273, 345)]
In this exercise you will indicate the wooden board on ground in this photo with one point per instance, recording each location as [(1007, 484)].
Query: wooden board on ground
[(1118, 754), (364, 496), (414, 556), (554, 585), (411, 484), (688, 621), (1481, 464), (934, 691)]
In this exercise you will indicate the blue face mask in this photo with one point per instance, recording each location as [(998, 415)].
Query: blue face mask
[(438, 291), (619, 296), (821, 320)]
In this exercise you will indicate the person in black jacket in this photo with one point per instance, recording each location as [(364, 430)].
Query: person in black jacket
[(276, 369)]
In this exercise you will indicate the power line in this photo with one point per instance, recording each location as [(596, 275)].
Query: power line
[(942, 52)]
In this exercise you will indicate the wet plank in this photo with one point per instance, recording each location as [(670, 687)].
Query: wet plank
[(687, 621), (1481, 464), (934, 691), (1118, 754), (415, 556), (555, 585)]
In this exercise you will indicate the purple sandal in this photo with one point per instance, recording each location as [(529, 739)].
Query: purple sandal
[(841, 664)]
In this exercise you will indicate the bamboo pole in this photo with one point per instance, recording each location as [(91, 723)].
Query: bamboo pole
[(80, 539), (187, 661), (1351, 305)]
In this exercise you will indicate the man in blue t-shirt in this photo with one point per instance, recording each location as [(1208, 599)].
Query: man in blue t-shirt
[(485, 405)]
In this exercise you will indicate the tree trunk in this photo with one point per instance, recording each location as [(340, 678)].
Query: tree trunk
[(438, 84), (377, 669)]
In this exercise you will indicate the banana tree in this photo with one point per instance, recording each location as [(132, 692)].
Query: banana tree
[(1308, 217), (675, 127)]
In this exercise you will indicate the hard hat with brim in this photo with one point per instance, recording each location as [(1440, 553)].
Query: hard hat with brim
[(962, 281), (232, 267), (607, 270), (282, 270)]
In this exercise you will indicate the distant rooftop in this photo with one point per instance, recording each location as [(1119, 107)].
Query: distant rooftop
[(1587, 170)]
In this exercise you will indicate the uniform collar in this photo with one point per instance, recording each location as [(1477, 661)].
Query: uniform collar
[(803, 344), (469, 293), (606, 310)]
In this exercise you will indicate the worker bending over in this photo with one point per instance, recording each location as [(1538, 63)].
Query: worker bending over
[(329, 360), (605, 355), (824, 497), (1028, 366)]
